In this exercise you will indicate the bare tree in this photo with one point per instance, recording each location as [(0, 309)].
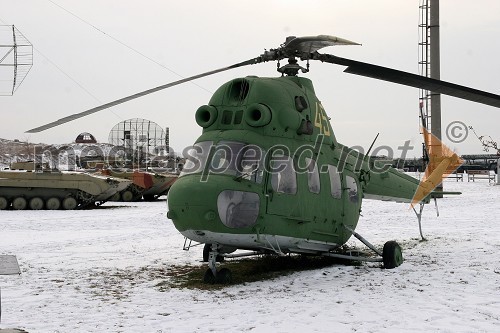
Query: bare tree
[(487, 142)]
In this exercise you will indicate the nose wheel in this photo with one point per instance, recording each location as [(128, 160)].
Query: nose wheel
[(212, 276), (224, 276)]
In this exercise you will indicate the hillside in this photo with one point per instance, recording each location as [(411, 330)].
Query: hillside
[(12, 150), (57, 154)]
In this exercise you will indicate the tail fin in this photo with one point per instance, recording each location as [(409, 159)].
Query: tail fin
[(442, 162)]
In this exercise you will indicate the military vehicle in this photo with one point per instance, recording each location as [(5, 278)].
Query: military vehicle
[(51, 189), (147, 185), (161, 184)]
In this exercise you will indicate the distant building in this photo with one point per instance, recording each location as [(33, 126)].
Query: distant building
[(85, 138)]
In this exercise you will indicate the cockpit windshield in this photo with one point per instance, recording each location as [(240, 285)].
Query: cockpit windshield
[(243, 161), (196, 158)]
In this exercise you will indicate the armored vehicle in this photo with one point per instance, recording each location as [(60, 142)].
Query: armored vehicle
[(55, 189), (161, 184), (145, 185)]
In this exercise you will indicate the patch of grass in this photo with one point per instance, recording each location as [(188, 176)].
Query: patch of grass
[(246, 270)]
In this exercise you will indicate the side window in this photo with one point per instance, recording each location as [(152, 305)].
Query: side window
[(312, 176), (352, 188), (335, 182), (283, 177)]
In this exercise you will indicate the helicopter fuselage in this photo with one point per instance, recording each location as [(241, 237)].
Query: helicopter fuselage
[(268, 173)]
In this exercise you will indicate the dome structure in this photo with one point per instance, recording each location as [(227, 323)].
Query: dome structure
[(85, 138), (137, 133)]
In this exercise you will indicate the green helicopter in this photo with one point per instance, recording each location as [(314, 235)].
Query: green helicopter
[(268, 176)]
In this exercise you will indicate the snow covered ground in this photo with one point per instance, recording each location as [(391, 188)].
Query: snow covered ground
[(98, 270)]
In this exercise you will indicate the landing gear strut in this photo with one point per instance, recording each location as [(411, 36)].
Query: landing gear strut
[(391, 255), (211, 275)]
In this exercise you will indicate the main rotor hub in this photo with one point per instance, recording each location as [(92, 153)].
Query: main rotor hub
[(302, 48), (292, 68)]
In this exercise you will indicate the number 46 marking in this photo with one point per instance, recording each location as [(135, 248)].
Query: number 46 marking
[(321, 120)]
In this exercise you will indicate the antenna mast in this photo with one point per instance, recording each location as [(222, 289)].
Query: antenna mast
[(430, 66), (16, 59)]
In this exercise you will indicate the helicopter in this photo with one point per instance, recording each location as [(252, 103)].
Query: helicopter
[(268, 176)]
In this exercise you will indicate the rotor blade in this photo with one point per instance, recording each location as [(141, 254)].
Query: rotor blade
[(412, 80), (312, 44), (143, 93)]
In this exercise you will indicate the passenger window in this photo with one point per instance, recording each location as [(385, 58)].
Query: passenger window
[(312, 176), (335, 182), (283, 177), (352, 186)]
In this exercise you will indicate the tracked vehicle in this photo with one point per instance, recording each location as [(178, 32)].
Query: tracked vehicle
[(147, 185), (55, 189), (161, 184)]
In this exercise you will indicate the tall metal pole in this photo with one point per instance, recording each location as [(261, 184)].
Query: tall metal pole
[(15, 58), (167, 140), (435, 74), (435, 67), (498, 171)]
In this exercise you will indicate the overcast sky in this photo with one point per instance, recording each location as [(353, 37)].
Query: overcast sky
[(80, 62)]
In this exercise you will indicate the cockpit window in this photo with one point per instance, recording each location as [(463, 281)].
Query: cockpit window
[(236, 159), (224, 158), (251, 163), (196, 158)]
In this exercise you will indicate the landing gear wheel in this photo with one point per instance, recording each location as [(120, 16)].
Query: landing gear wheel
[(127, 196), (224, 276), (392, 255), (209, 277), (19, 203), (53, 204), (36, 203), (4, 203), (69, 203)]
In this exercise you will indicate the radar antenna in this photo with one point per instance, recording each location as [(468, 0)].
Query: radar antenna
[(16, 59)]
